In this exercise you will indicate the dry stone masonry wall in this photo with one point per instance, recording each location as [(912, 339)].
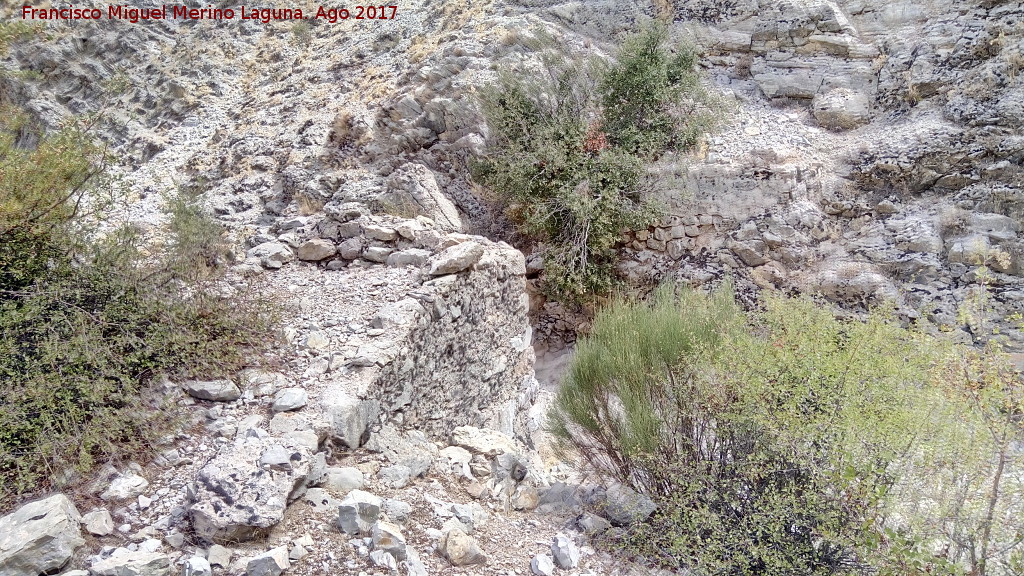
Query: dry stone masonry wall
[(455, 349)]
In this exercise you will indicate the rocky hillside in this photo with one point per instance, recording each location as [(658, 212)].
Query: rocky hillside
[(872, 150)]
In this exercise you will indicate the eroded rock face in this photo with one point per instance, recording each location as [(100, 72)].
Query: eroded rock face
[(842, 109), (243, 491), (40, 537), (414, 187)]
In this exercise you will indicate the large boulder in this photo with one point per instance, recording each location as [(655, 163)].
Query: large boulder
[(40, 537), (243, 491)]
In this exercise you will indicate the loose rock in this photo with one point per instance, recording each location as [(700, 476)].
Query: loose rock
[(565, 552), (98, 522), (214, 390), (388, 537), (341, 481), (457, 258), (124, 562), (289, 399), (316, 249), (460, 549), (197, 566), (482, 441), (219, 556), (358, 512), (237, 499), (542, 565), (40, 537), (271, 563)]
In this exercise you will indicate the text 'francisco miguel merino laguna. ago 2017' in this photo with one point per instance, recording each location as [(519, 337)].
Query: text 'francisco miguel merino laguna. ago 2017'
[(180, 12)]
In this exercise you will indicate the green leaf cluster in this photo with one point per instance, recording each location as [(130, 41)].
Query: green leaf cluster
[(569, 150)]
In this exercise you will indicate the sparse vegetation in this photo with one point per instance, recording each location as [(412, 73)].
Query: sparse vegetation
[(86, 321), (302, 32), (789, 442), (569, 150)]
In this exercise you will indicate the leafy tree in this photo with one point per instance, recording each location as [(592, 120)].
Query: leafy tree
[(651, 97), (569, 148)]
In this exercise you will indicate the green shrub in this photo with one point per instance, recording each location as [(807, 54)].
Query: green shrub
[(86, 321), (650, 98), (569, 148), (785, 442)]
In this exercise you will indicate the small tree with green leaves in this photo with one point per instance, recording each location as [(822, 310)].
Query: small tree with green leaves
[(569, 149)]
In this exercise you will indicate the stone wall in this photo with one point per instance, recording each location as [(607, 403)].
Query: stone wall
[(470, 360), (451, 348)]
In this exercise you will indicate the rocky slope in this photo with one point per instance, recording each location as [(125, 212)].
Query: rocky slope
[(872, 150)]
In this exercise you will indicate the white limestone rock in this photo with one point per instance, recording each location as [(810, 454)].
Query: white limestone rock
[(542, 565), (358, 512), (197, 566), (270, 563), (98, 522), (125, 486), (565, 552), (456, 258), (40, 537), (243, 491), (842, 109), (124, 562), (272, 255), (410, 257), (460, 549), (341, 481), (416, 186), (213, 390), (289, 399), (388, 537), (316, 249), (482, 441)]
